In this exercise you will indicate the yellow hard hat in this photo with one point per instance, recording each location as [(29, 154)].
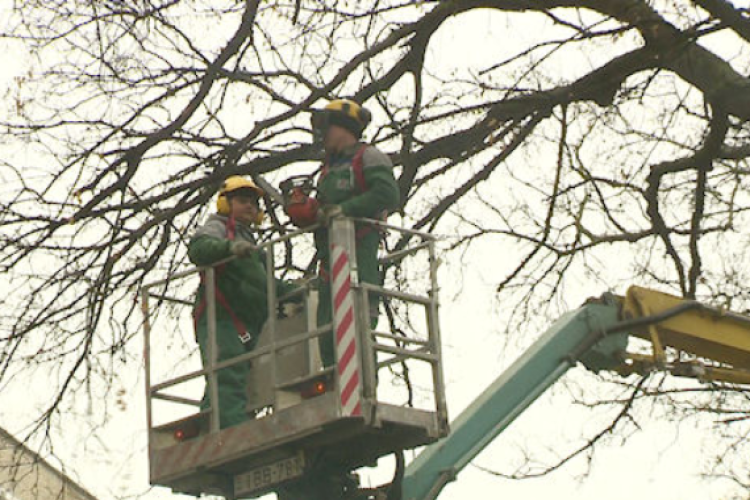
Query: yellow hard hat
[(232, 184), (344, 113)]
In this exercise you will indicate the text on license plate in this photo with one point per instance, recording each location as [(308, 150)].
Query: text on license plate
[(270, 474)]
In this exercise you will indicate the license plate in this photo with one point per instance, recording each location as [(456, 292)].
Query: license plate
[(269, 475)]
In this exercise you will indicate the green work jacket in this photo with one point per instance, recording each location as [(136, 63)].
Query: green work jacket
[(337, 183), (242, 281)]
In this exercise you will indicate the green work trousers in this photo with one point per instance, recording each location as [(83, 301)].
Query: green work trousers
[(232, 381), (369, 272)]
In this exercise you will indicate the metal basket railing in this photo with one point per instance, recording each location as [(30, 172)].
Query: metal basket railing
[(402, 349)]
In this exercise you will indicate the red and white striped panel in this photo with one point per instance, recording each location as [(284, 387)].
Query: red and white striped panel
[(344, 327)]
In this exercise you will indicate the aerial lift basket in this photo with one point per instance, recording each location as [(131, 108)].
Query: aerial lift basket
[(303, 418)]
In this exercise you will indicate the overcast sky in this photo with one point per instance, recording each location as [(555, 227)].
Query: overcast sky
[(663, 461)]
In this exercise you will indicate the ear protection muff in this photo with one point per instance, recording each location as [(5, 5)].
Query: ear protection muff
[(364, 116), (222, 204)]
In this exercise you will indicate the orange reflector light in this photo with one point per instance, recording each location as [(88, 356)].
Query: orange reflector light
[(187, 432), (315, 388)]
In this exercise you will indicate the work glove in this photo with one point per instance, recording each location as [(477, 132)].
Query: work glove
[(242, 248), (328, 212), (303, 214)]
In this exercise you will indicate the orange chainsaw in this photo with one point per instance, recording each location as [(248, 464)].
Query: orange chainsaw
[(299, 205)]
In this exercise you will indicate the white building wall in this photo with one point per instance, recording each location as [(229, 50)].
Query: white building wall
[(24, 475)]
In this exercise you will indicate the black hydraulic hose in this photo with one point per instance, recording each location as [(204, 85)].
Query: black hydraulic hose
[(631, 324), (395, 489)]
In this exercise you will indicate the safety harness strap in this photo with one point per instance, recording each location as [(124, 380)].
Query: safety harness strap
[(359, 168), (242, 331)]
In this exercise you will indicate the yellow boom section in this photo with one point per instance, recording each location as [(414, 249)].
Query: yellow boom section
[(708, 333)]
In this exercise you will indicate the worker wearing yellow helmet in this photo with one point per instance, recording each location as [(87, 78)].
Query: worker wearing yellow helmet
[(241, 291), (356, 180), (246, 195)]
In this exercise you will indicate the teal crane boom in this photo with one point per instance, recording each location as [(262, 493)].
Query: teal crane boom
[(596, 335), (557, 350)]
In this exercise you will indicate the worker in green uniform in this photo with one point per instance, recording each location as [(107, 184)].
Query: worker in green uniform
[(356, 180), (241, 290)]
